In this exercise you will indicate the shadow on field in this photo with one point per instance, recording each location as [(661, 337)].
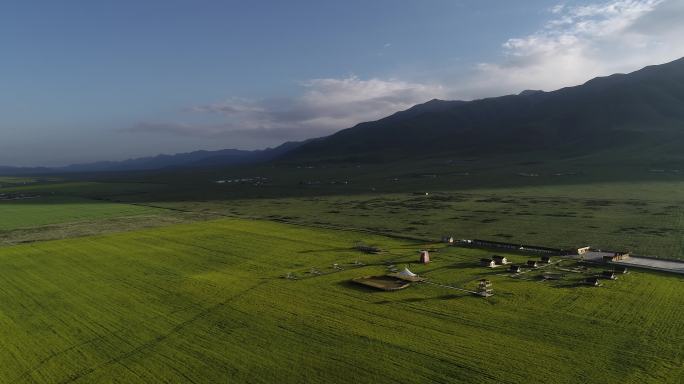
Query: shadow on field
[(451, 296), (574, 285), (424, 299), (357, 287), (462, 266)]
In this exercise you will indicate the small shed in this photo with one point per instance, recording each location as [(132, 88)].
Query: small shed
[(617, 256), (448, 239), (499, 260), (546, 259), (487, 263), (583, 250), (608, 275), (515, 269), (593, 281), (532, 263), (424, 257)]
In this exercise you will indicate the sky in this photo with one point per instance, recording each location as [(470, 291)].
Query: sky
[(82, 81)]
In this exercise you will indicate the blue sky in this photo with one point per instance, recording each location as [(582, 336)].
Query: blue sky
[(89, 80)]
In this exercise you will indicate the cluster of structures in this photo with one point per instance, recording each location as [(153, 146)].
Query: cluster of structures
[(543, 260), (494, 261), (595, 281), (256, 181), (584, 253), (617, 256), (476, 243), (396, 280), (597, 255), (16, 196), (318, 182)]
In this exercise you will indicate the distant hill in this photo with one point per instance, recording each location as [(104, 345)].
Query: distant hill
[(197, 159), (607, 112)]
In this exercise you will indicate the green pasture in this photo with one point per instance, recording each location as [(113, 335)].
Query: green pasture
[(11, 181), (206, 302), (30, 213), (641, 217), (625, 207), (94, 189)]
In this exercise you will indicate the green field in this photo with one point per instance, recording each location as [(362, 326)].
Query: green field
[(569, 203), (7, 181), (206, 302), (644, 218), (45, 211), (622, 206), (172, 277), (59, 217)]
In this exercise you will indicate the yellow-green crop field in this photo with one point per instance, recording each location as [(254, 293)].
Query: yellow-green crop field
[(207, 302)]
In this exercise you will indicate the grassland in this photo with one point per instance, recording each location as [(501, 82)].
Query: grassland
[(205, 302), (625, 207), (643, 217), (58, 217), (6, 181), (44, 211), (559, 217), (173, 297)]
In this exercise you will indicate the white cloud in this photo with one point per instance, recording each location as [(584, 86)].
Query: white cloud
[(582, 42), (325, 106), (574, 45)]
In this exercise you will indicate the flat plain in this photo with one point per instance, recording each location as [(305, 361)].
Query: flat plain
[(175, 277), (208, 302)]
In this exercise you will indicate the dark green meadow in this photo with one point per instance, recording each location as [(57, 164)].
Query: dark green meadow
[(555, 217), (633, 207), (206, 302)]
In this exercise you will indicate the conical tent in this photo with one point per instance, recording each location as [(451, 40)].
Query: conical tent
[(407, 273)]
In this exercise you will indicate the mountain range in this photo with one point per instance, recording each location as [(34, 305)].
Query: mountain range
[(606, 112), (613, 112), (196, 159)]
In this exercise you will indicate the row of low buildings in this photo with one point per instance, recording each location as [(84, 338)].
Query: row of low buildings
[(585, 253), (608, 275), (497, 260)]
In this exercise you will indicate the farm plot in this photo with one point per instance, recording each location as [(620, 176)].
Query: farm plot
[(15, 214), (206, 302)]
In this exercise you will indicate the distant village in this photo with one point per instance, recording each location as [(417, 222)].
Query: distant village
[(255, 181), (17, 196)]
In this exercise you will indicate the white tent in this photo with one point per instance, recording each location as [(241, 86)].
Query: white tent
[(407, 273)]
